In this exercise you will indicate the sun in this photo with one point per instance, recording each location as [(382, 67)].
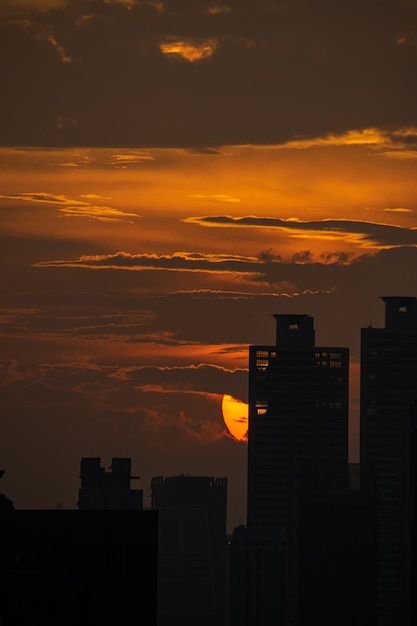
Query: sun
[(235, 416)]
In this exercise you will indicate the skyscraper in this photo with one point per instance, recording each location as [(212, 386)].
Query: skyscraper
[(298, 418), (387, 442), (298, 415)]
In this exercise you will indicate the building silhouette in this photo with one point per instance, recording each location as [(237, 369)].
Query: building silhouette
[(388, 422), (193, 574), (258, 576), (343, 536), (337, 547), (108, 490), (298, 416), (96, 566), (78, 567)]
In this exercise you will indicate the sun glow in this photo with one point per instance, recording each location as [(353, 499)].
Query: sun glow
[(235, 415)]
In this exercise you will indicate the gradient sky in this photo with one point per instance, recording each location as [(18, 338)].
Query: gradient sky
[(173, 173)]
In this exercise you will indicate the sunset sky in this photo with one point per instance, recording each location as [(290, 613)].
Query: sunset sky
[(173, 173)]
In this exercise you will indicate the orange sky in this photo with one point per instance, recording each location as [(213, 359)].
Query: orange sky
[(152, 264)]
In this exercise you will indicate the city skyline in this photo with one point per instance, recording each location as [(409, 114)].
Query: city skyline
[(172, 175)]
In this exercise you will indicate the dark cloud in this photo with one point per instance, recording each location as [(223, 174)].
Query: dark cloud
[(367, 232), (180, 261), (98, 74), (213, 315), (202, 377)]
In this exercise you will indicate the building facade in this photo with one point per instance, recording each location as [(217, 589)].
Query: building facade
[(298, 414), (192, 568), (298, 417), (387, 442)]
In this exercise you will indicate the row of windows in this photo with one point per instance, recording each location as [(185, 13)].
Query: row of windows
[(331, 355), (265, 354), (262, 406), (321, 361)]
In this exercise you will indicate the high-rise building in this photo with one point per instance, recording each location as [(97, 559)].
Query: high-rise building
[(298, 414), (387, 442), (298, 417)]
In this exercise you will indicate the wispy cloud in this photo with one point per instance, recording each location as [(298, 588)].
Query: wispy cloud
[(130, 158), (16, 6), (75, 208), (396, 144), (365, 234), (398, 210), (179, 261), (94, 196), (189, 49), (101, 213), (64, 56), (217, 197), (41, 196), (401, 155), (218, 9)]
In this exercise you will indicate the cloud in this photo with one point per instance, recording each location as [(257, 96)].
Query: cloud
[(100, 213), (75, 208), (179, 261), (94, 196), (218, 197), (9, 372), (400, 143), (364, 234), (219, 9), (130, 158), (259, 65), (401, 155), (97, 389), (190, 50), (43, 197), (65, 58), (129, 4), (192, 378), (398, 210), (13, 7)]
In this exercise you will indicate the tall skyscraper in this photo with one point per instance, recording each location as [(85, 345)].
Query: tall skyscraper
[(387, 442), (298, 418), (298, 415)]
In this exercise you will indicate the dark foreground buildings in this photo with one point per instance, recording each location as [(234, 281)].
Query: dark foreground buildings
[(66, 567), (328, 543), (96, 566)]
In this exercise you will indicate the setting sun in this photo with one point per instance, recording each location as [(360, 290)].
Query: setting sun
[(235, 415)]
